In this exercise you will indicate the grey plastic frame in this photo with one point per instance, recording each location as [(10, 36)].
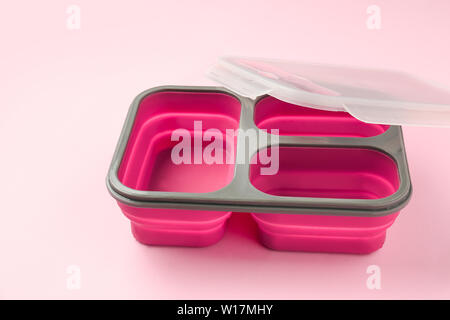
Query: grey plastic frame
[(241, 195)]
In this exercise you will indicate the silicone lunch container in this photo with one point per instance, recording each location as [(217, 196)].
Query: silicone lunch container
[(340, 183)]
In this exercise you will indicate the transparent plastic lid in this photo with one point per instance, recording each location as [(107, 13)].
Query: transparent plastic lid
[(370, 95)]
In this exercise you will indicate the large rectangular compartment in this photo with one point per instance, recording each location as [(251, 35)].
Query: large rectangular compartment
[(147, 164), (342, 173)]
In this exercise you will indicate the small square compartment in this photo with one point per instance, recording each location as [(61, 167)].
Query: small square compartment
[(147, 164), (289, 119), (349, 173)]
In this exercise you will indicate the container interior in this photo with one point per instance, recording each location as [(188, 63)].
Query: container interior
[(164, 120), (350, 173), (289, 119)]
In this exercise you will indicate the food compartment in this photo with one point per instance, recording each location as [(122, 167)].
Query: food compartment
[(350, 173), (289, 119), (198, 119), (163, 121), (341, 173)]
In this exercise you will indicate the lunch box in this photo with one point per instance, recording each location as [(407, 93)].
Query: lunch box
[(341, 174)]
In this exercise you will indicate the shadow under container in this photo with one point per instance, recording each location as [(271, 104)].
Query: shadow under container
[(340, 182)]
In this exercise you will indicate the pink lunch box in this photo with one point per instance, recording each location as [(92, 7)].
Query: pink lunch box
[(340, 182)]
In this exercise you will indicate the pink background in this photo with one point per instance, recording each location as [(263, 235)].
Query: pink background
[(64, 98)]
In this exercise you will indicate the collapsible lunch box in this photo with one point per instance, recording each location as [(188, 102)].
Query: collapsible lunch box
[(341, 174)]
